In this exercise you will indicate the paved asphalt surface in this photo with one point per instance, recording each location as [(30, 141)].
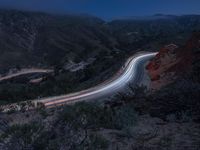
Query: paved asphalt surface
[(132, 72)]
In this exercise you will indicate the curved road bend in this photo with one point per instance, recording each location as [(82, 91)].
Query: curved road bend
[(130, 72)]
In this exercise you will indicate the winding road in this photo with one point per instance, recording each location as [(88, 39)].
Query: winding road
[(25, 72), (130, 72)]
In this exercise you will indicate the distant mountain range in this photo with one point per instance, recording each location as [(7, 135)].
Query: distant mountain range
[(30, 39), (154, 17)]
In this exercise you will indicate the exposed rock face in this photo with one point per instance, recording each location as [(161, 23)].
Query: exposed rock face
[(159, 67), (172, 61)]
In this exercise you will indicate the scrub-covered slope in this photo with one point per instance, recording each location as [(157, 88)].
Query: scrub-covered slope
[(42, 40)]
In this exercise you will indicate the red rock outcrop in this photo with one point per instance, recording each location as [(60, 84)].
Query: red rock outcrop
[(172, 61)]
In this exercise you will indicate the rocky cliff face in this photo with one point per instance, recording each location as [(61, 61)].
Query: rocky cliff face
[(173, 61)]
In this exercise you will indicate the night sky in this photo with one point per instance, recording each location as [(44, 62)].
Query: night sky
[(107, 9)]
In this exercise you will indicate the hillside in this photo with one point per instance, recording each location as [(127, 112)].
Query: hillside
[(152, 32), (42, 40), (81, 50), (174, 76), (174, 62)]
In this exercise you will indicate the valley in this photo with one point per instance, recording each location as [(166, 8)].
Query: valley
[(80, 82), (82, 51)]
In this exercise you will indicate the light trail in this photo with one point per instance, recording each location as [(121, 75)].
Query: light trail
[(112, 86)]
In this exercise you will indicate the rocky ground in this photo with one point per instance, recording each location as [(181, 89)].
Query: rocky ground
[(144, 133), (155, 134)]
